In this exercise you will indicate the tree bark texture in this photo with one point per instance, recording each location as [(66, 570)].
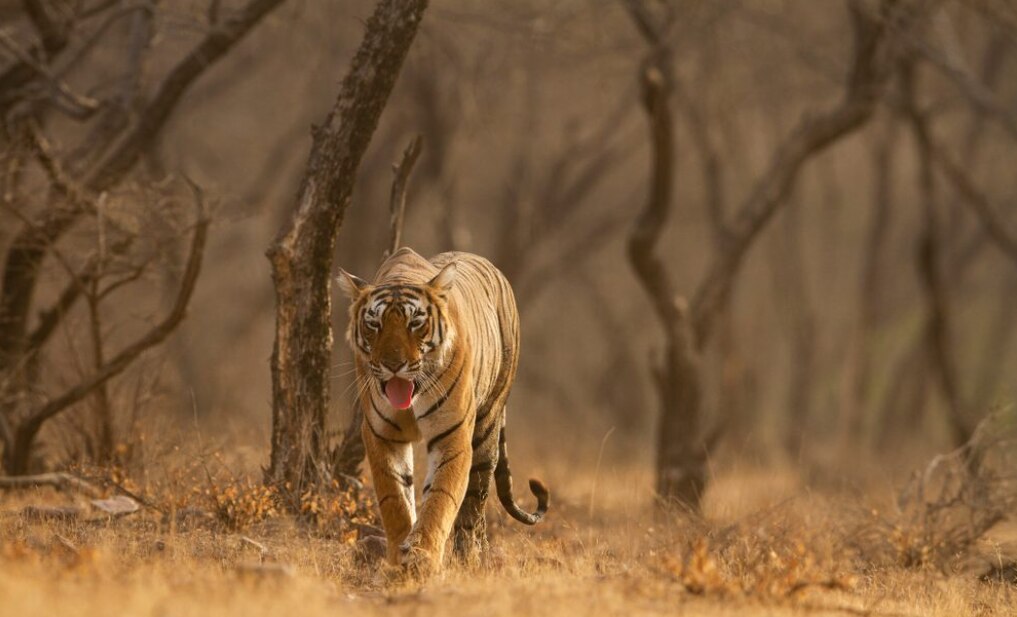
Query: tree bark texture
[(302, 254)]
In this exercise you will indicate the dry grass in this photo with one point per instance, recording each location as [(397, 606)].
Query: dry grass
[(223, 548)]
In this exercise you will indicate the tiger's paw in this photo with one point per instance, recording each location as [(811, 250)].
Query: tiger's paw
[(417, 562)]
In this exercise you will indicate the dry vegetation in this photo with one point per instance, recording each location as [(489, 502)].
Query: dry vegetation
[(223, 549)]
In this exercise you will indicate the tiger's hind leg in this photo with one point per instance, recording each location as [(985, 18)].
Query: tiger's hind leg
[(469, 534)]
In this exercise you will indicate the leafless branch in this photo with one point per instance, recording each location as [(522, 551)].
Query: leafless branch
[(59, 480), (76, 194), (34, 242), (995, 227), (978, 94), (51, 32), (397, 201), (26, 431), (73, 104), (213, 47), (869, 73)]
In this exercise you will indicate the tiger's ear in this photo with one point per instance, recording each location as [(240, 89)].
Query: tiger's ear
[(351, 285), (444, 280)]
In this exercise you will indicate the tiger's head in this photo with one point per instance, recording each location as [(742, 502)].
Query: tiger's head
[(400, 332)]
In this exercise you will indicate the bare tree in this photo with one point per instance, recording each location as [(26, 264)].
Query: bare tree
[(113, 133), (302, 253), (682, 444)]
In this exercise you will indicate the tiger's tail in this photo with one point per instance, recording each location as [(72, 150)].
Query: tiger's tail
[(503, 481)]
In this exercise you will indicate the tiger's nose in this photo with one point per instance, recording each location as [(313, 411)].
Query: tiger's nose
[(393, 365)]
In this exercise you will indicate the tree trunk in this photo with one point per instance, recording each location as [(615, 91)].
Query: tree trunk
[(681, 453), (301, 255)]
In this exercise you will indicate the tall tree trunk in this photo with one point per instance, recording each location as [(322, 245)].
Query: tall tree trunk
[(680, 452), (682, 449), (301, 255)]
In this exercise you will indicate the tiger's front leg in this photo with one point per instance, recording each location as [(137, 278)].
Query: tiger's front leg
[(391, 464), (448, 460)]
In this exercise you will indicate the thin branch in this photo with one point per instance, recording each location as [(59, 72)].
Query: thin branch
[(28, 429), (644, 22), (52, 33), (979, 202), (978, 94), (73, 104), (59, 480), (216, 44), (397, 202), (29, 247), (871, 68), (77, 54), (709, 159), (66, 185)]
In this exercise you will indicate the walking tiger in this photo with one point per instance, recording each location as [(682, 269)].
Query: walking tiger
[(436, 346)]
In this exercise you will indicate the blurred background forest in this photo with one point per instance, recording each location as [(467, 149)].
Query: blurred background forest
[(842, 350)]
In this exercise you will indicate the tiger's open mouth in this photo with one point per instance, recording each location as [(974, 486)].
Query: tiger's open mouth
[(399, 392)]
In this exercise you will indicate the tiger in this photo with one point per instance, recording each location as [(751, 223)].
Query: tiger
[(436, 348)]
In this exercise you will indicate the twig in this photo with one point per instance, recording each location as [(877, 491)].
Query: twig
[(25, 433), (979, 202), (76, 105), (59, 480), (397, 202), (263, 551), (151, 119), (67, 544), (980, 96)]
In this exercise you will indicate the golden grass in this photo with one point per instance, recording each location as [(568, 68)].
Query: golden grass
[(785, 551)]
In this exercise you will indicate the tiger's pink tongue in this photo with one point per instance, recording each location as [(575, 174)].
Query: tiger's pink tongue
[(399, 392)]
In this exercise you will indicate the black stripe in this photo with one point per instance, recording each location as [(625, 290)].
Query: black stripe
[(441, 330), (438, 403), (482, 467), (447, 460), (486, 409), (437, 380), (406, 479), (384, 417), (386, 498), (381, 437), (443, 435), (427, 487), (478, 440), (446, 493)]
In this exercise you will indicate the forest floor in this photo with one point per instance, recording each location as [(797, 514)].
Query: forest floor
[(765, 547)]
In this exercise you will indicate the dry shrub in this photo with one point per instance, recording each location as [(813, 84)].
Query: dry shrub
[(340, 509), (337, 510), (948, 507), (240, 504), (771, 555)]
